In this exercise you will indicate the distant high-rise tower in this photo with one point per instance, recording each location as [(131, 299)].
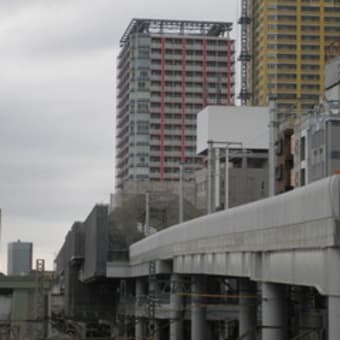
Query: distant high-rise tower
[(168, 70), (288, 40), (19, 258)]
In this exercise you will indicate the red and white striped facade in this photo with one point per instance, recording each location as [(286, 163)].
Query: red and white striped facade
[(168, 71)]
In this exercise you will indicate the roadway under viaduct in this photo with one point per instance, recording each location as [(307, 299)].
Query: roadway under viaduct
[(261, 248)]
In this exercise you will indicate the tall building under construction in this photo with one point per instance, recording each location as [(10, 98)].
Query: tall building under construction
[(287, 41), (168, 70)]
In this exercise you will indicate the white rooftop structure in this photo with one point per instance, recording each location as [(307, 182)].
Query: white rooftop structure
[(245, 124)]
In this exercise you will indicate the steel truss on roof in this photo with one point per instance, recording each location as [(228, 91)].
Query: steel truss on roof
[(165, 26)]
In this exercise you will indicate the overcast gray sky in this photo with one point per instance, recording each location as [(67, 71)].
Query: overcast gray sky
[(57, 107)]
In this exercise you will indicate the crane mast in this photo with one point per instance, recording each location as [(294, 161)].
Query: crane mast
[(245, 56)]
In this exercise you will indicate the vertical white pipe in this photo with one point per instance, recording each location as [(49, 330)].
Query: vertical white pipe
[(210, 176)]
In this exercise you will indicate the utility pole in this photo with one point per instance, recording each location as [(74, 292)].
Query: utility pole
[(181, 194), (217, 177), (226, 175), (272, 140), (226, 178), (147, 215), (210, 195), (0, 224), (212, 174), (40, 312)]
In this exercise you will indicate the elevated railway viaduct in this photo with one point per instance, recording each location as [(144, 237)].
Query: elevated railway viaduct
[(264, 269)]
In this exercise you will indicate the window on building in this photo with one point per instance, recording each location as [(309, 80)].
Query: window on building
[(303, 177), (142, 106), (335, 154), (143, 52), (143, 127), (303, 148), (279, 172)]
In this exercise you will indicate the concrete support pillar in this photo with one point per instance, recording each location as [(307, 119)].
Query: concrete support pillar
[(226, 332), (198, 309), (153, 324), (154, 331), (176, 305), (248, 309), (228, 288), (140, 324), (139, 329), (157, 335), (333, 317), (274, 312)]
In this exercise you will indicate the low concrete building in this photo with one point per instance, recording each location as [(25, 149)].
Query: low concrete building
[(25, 307), (248, 179), (317, 144), (308, 147), (242, 133)]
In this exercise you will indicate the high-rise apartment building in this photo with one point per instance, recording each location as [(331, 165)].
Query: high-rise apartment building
[(287, 42), (168, 70), (19, 258)]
